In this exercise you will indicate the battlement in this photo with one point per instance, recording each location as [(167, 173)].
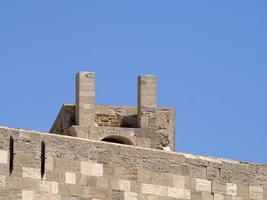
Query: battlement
[(96, 152), (145, 125), (50, 166)]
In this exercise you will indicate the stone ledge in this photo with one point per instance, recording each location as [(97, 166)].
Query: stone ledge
[(186, 155)]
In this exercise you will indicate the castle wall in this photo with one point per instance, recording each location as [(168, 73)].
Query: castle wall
[(80, 169), (120, 121), (145, 125)]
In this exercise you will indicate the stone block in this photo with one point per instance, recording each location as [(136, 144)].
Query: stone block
[(2, 181), (102, 182), (13, 194), (190, 183), (163, 179), (143, 121), (70, 178), (136, 187), (154, 189), (101, 193), (28, 172), (218, 187), (178, 193), (130, 196), (20, 183), (218, 197), (49, 187), (195, 195), (242, 190), (82, 179), (92, 181), (4, 169), (80, 191), (179, 181), (256, 192), (23, 160), (56, 175), (63, 197), (46, 196), (231, 189), (3, 157), (125, 185), (91, 169), (27, 195), (203, 185), (64, 189), (114, 183), (49, 163)]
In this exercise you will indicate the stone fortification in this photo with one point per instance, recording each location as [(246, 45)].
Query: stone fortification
[(99, 152), (144, 126), (79, 169)]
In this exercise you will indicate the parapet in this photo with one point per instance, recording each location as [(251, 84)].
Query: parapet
[(82, 160), (146, 125), (38, 166)]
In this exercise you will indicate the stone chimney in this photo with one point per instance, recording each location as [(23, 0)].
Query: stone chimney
[(85, 99), (147, 101)]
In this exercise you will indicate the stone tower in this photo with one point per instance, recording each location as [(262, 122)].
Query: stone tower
[(96, 152), (144, 126)]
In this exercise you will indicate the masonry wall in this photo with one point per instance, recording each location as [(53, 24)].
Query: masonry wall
[(79, 169), (120, 121)]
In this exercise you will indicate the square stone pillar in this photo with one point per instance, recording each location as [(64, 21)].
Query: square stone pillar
[(85, 99), (147, 101)]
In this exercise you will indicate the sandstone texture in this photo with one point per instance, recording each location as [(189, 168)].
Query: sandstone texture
[(80, 169), (96, 152)]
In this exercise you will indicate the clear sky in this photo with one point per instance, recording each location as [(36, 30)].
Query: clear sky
[(210, 58)]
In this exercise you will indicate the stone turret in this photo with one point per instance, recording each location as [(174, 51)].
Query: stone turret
[(145, 125), (88, 165)]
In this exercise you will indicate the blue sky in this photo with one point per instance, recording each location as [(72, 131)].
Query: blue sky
[(209, 56)]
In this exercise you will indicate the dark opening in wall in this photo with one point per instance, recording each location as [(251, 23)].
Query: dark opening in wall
[(42, 159), (116, 121), (11, 154), (117, 139)]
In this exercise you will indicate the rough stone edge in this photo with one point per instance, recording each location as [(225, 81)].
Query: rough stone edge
[(186, 155)]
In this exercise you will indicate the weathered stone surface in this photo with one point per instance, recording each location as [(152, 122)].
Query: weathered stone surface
[(256, 192), (2, 181), (3, 157), (85, 98), (70, 178), (231, 189), (27, 195), (31, 173), (91, 169), (79, 166), (203, 185), (49, 187), (87, 120)]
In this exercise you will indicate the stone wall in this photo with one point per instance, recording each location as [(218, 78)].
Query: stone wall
[(120, 121), (85, 119), (80, 169)]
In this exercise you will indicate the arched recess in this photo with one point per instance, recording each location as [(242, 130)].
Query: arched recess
[(117, 139)]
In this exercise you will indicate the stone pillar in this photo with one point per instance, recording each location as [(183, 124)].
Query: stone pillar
[(147, 101), (85, 99)]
